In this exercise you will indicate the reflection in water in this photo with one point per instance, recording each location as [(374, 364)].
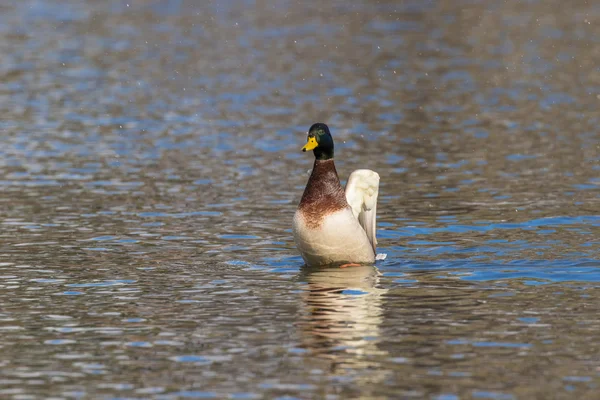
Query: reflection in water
[(343, 311)]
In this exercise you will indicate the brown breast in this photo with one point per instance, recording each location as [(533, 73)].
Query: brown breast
[(323, 194)]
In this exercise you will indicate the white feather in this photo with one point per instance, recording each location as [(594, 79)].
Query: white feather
[(361, 193), (339, 239)]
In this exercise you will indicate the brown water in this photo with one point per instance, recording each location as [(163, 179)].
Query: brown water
[(150, 169)]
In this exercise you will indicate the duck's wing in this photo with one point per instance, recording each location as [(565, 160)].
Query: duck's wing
[(361, 193)]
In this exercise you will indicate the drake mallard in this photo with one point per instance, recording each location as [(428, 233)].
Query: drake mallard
[(332, 226)]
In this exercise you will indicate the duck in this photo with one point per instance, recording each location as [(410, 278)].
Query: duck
[(333, 226)]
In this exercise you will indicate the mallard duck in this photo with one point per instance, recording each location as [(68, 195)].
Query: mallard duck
[(332, 226)]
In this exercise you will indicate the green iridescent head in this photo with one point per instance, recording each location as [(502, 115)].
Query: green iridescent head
[(319, 140)]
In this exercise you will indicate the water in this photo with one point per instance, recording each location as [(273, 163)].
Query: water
[(150, 167)]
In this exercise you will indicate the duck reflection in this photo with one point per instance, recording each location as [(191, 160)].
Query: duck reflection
[(343, 310)]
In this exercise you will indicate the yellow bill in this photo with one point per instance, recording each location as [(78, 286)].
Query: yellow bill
[(311, 144)]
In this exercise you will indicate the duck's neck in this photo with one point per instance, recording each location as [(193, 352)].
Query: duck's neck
[(324, 187)]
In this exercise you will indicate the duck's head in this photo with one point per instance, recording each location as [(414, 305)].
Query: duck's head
[(319, 141)]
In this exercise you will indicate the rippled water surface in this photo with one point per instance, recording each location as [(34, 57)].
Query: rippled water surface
[(150, 169)]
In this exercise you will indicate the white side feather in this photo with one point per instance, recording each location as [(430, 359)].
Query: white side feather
[(361, 193)]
